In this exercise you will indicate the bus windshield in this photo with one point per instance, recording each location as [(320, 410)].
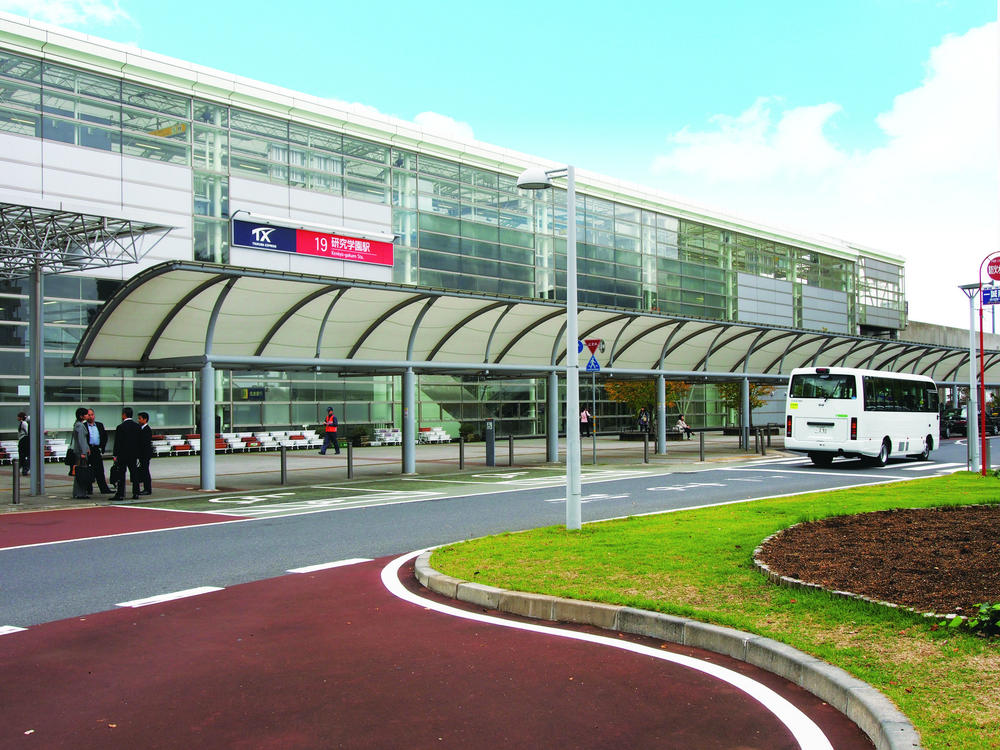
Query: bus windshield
[(816, 385)]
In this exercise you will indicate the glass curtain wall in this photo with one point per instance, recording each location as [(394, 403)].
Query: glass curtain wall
[(459, 226)]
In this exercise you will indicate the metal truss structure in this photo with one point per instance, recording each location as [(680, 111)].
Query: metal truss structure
[(53, 240)]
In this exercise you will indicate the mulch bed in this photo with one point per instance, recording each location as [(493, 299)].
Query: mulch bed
[(939, 560)]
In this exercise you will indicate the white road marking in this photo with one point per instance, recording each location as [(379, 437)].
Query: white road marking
[(685, 487), (8, 629), (591, 498), (326, 566), (803, 729), (169, 597), (929, 466)]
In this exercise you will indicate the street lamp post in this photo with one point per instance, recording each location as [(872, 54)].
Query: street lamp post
[(536, 178)]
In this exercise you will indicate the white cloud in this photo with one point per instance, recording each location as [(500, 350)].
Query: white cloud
[(432, 122), (67, 12), (929, 194)]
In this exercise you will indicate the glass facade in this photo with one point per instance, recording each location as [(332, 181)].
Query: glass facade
[(459, 226)]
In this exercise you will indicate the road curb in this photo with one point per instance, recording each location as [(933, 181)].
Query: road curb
[(886, 726)]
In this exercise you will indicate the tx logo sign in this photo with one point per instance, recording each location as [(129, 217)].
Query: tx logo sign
[(262, 234)]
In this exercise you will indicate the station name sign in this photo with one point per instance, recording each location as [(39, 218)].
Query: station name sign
[(306, 242)]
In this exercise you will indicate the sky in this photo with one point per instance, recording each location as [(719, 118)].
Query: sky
[(870, 121)]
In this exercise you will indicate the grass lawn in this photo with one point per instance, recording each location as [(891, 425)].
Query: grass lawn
[(697, 564)]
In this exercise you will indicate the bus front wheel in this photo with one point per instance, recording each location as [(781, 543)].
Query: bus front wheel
[(925, 454)]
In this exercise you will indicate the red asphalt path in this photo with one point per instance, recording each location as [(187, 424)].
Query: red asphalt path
[(332, 659), (46, 526)]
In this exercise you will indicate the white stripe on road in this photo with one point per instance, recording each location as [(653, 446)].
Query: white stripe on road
[(169, 597), (928, 466), (326, 566), (803, 729), (8, 629)]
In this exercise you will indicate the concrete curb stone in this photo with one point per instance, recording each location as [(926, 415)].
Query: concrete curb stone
[(873, 712)]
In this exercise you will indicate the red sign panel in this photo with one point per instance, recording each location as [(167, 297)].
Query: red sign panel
[(343, 248), (993, 268), (592, 344)]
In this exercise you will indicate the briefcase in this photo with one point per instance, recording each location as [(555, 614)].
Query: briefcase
[(84, 475), (116, 474)]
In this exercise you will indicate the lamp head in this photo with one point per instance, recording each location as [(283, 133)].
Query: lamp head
[(534, 178)]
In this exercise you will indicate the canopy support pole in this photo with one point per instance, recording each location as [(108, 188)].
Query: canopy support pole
[(552, 418), (661, 415), (409, 421), (36, 396), (208, 427)]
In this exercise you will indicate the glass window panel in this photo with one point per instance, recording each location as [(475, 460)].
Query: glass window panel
[(431, 186), (24, 68), (512, 236), (155, 124), (366, 150), (626, 228), (150, 147), (366, 170), (248, 145), (20, 123), (439, 205), (404, 159), (440, 261), (508, 184), (480, 231), (211, 195), (210, 149), (20, 95), (480, 197), (627, 213), (480, 249), (598, 207), (323, 182), (439, 224), (157, 100), (266, 126), (478, 177), (315, 138), (211, 240), (211, 114), (432, 241), (437, 167), (367, 191)]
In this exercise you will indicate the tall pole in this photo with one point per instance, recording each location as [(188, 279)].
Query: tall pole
[(36, 394), (573, 484), (970, 423)]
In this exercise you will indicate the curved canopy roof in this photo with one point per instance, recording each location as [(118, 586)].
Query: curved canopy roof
[(182, 315)]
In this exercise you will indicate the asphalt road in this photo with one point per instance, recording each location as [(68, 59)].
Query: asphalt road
[(49, 582)]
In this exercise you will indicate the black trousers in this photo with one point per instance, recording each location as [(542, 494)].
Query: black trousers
[(96, 461), (132, 466), (144, 478)]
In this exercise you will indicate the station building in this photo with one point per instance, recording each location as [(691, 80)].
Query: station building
[(94, 126)]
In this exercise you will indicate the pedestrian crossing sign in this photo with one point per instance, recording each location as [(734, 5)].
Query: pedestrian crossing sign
[(593, 365)]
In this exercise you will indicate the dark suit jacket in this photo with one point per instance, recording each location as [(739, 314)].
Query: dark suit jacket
[(128, 441), (146, 447)]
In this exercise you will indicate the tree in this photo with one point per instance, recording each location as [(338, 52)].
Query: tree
[(636, 394), (731, 395)]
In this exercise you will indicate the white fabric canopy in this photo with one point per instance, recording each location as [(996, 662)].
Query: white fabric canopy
[(181, 315)]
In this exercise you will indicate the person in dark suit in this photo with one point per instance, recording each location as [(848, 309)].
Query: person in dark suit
[(145, 453), (98, 438), (128, 448)]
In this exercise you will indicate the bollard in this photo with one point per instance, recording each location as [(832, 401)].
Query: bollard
[(701, 446), (763, 441), (284, 464), (15, 494), (490, 436), (645, 447), (350, 459), (461, 452), (769, 435)]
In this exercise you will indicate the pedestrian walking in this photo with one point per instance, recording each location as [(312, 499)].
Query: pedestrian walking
[(128, 447), (330, 435), (145, 453)]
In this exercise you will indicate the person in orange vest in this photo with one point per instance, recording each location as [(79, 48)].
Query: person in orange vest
[(331, 432)]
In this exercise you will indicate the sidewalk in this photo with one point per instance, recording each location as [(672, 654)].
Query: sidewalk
[(177, 477)]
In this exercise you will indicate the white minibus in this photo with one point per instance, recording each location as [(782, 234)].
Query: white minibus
[(871, 414)]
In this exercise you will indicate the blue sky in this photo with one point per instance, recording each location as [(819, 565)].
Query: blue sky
[(874, 121)]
